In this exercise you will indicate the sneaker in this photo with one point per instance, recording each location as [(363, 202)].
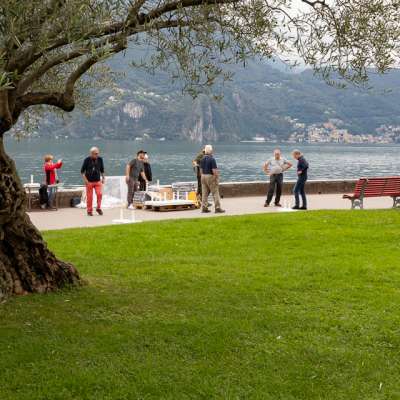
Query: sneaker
[(266, 204), (205, 210), (278, 205), (303, 208), (219, 211), (296, 208), (131, 207), (90, 214), (99, 211)]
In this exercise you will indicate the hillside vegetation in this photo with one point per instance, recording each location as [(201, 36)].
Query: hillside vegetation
[(263, 99)]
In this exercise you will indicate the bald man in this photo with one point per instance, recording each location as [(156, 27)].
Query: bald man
[(92, 172)]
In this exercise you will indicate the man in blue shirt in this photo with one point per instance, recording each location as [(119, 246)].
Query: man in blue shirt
[(302, 175), (209, 181)]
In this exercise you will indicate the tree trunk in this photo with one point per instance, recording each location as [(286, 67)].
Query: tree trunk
[(26, 264)]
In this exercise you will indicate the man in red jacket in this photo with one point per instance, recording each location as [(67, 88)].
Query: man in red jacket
[(50, 170)]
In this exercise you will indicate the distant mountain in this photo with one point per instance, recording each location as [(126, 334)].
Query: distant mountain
[(263, 99)]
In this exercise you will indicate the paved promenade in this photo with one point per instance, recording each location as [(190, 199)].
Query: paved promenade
[(76, 218)]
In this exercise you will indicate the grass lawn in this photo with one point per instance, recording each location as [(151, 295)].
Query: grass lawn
[(275, 306)]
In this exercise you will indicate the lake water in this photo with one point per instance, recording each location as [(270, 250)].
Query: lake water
[(171, 161)]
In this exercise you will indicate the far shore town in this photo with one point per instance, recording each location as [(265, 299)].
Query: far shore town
[(333, 131)]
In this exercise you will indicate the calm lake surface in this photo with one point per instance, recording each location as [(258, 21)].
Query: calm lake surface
[(171, 161)]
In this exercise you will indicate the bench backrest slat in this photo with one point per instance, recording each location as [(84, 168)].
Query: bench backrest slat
[(359, 186), (385, 186), (392, 187)]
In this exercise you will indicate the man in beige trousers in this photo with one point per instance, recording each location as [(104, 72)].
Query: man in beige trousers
[(210, 181)]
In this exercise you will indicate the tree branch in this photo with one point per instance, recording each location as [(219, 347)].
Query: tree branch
[(174, 5), (5, 114), (133, 14), (314, 3), (56, 99), (63, 100), (35, 75), (70, 85), (65, 57)]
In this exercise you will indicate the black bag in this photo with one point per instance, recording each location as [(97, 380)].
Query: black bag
[(75, 201), (43, 195)]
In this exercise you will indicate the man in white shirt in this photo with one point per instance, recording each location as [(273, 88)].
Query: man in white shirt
[(275, 167)]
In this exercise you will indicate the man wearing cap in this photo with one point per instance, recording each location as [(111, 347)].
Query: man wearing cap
[(134, 169), (209, 181)]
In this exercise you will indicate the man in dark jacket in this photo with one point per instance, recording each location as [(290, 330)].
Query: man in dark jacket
[(302, 175), (92, 172), (147, 172), (196, 166)]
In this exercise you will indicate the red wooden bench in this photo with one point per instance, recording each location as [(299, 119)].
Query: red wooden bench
[(388, 186)]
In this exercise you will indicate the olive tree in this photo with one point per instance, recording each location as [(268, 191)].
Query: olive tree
[(50, 51)]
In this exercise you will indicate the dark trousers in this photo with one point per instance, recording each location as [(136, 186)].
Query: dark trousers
[(275, 186), (142, 185), (199, 189), (299, 191)]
